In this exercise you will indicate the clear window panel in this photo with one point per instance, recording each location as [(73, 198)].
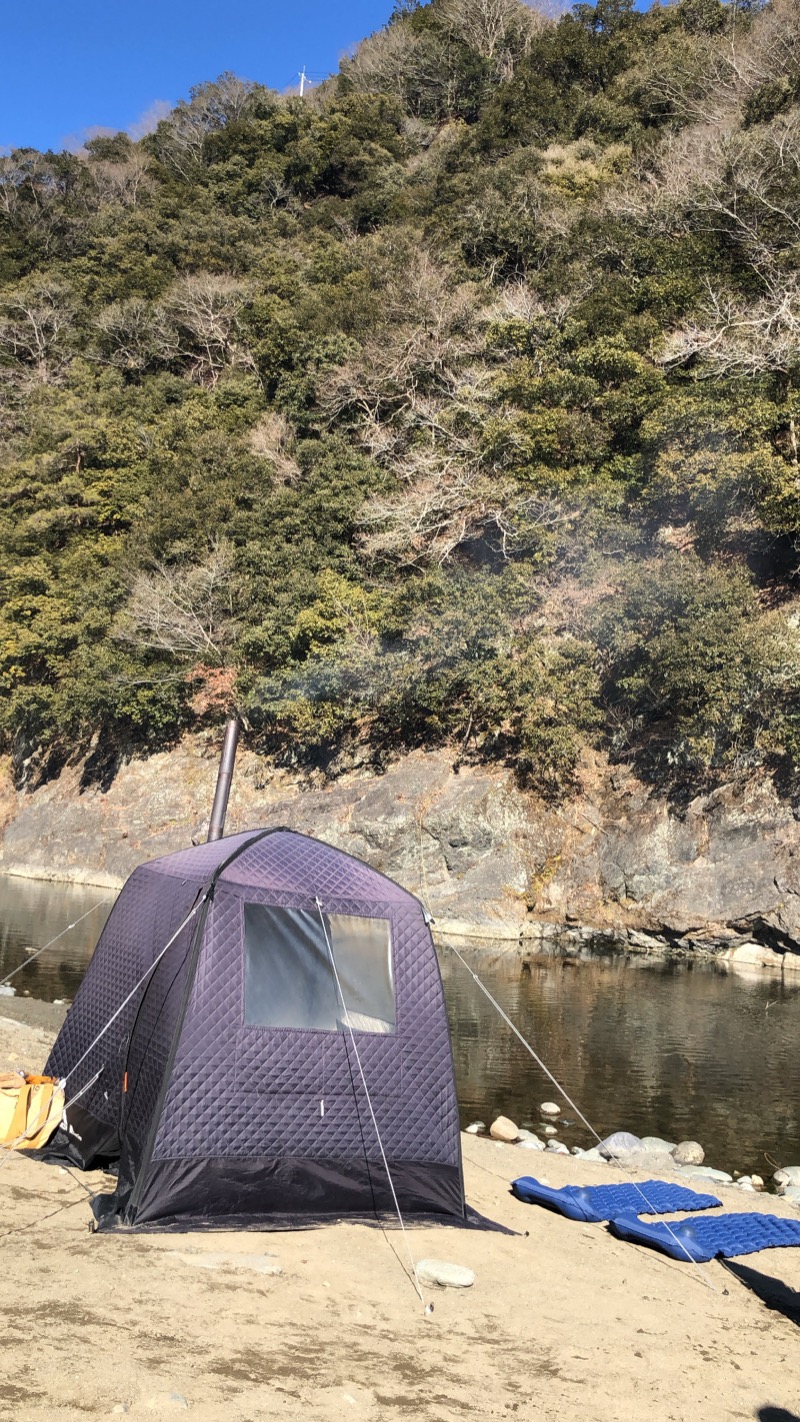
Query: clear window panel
[(289, 980)]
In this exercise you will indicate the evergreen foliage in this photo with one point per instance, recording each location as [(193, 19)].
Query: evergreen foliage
[(454, 404)]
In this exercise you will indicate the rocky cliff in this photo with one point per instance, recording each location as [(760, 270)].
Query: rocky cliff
[(490, 860)]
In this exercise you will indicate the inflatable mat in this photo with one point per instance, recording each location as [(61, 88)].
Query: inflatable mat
[(593, 1203), (718, 1236)]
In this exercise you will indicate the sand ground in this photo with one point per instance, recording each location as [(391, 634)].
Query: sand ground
[(564, 1322)]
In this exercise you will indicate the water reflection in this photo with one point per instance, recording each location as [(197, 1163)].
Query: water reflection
[(679, 1049), (31, 914)]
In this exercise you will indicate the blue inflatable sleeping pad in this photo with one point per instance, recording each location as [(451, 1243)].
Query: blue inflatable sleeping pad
[(719, 1235), (594, 1203)]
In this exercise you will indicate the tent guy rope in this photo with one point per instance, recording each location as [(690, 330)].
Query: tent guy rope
[(10, 1146), (578, 1112), (414, 1277), (68, 929)]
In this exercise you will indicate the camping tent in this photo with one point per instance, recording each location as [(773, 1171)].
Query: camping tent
[(262, 1034)]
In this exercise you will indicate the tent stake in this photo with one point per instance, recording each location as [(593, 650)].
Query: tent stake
[(224, 776)]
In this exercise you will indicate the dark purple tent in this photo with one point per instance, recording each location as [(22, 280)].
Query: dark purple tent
[(268, 1052)]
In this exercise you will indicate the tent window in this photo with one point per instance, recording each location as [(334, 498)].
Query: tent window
[(289, 981)]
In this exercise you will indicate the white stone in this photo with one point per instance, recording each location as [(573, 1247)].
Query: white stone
[(503, 1130), (531, 1145), (792, 1193), (526, 1135), (120, 1408), (707, 1172), (788, 1175), (591, 1154), (549, 1108), (689, 1153), (557, 1147), (447, 1276), (476, 1128), (757, 1181), (619, 1143), (657, 1146)]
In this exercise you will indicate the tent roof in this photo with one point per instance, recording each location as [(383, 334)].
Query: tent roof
[(282, 860)]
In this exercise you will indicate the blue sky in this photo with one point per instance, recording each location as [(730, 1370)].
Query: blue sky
[(74, 64)]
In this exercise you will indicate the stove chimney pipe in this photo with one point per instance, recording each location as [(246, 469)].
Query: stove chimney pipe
[(219, 809)]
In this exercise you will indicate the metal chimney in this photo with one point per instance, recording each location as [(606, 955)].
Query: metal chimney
[(219, 809)]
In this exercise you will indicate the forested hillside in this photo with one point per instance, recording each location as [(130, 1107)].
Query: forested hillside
[(454, 403)]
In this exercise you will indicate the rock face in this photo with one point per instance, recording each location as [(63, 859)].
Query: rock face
[(490, 859)]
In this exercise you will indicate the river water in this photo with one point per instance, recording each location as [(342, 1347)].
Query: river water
[(682, 1049)]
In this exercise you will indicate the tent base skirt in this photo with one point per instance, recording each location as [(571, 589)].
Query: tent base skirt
[(262, 1190)]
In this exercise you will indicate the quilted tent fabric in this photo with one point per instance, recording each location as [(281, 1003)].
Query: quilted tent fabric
[(217, 1119), (724, 1236), (593, 1203)]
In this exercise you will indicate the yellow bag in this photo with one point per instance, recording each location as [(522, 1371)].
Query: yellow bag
[(30, 1109)]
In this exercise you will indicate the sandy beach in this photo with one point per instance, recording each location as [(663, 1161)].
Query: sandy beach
[(563, 1322)]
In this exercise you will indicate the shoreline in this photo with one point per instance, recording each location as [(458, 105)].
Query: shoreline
[(545, 938)]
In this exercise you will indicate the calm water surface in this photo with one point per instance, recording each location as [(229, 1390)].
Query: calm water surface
[(677, 1049)]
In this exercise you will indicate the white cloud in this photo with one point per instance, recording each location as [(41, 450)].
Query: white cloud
[(146, 123)]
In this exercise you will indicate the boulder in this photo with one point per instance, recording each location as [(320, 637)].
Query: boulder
[(688, 1153), (620, 1143), (657, 1146), (503, 1130), (753, 955), (526, 1135), (447, 1276), (792, 1193)]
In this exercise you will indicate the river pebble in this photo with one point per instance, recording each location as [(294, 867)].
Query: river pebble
[(502, 1129), (535, 1144), (526, 1135), (475, 1128), (549, 1108), (447, 1276), (757, 1181), (689, 1153), (591, 1154), (558, 1147), (550, 1130)]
